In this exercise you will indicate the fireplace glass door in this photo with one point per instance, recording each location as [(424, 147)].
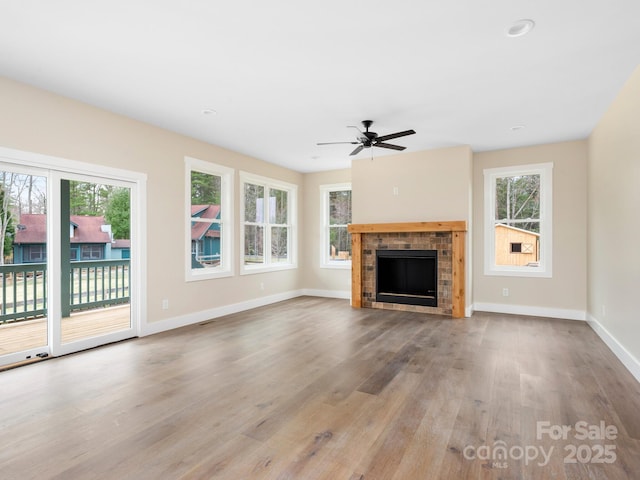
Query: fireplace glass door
[(407, 277)]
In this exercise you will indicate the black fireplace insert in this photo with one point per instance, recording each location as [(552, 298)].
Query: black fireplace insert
[(408, 277)]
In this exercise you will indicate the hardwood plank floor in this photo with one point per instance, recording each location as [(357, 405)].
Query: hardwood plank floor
[(24, 335), (313, 389)]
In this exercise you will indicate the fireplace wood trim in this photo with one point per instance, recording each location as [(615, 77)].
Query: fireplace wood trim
[(458, 231), (455, 226)]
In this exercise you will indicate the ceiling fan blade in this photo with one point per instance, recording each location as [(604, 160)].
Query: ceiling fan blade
[(361, 134), (389, 145), (337, 143), (384, 138), (357, 150)]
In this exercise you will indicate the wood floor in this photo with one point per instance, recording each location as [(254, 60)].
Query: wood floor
[(24, 335), (313, 389)]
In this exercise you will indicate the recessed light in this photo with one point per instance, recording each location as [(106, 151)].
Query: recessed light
[(209, 111), (520, 28), (515, 128)]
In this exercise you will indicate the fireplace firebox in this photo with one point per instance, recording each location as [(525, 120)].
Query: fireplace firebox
[(408, 277)]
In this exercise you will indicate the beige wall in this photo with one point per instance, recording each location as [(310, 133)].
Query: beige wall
[(330, 281), (566, 290), (37, 121), (614, 221), (431, 185)]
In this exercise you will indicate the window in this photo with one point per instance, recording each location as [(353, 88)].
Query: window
[(518, 206), (91, 252), (209, 220), (36, 253), (335, 216), (268, 226)]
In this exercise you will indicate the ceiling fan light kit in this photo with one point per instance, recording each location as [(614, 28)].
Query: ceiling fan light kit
[(369, 139)]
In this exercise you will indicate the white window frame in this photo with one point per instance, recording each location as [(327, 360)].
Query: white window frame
[(325, 258), (292, 225), (225, 269), (544, 270)]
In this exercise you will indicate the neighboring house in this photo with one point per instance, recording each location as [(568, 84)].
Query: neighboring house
[(205, 236), (29, 242), (515, 246), (121, 250), (90, 239)]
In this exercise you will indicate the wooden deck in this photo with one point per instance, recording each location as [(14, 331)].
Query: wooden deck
[(19, 336)]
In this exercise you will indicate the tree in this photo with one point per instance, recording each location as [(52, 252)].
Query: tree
[(12, 203), (253, 213), (118, 213), (205, 188), (340, 216), (7, 229), (253, 203), (96, 199), (87, 198), (518, 201)]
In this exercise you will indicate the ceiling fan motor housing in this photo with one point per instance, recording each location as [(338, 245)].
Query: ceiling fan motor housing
[(370, 136)]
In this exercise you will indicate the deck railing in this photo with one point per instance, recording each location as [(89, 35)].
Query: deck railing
[(23, 291), (91, 284)]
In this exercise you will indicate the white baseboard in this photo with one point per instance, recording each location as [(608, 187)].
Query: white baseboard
[(203, 316), (628, 360), (343, 294), (530, 311), (182, 321)]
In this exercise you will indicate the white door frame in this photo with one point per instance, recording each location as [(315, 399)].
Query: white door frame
[(56, 169)]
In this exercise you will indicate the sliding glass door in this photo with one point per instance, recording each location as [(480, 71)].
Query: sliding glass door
[(24, 329), (95, 262), (68, 261)]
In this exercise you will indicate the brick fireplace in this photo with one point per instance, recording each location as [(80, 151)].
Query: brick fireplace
[(446, 238)]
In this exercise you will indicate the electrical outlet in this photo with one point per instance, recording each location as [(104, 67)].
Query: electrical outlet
[(165, 304), (396, 191), (604, 311), (505, 292), (261, 285)]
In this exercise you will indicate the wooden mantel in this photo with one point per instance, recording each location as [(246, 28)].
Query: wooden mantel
[(458, 232)]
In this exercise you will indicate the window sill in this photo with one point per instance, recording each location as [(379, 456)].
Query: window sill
[(518, 272), (250, 270), (337, 265), (205, 275)]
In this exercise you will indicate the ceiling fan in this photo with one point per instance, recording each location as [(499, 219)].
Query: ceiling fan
[(368, 139)]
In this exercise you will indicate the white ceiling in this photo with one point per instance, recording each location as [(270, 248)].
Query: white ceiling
[(285, 74)]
